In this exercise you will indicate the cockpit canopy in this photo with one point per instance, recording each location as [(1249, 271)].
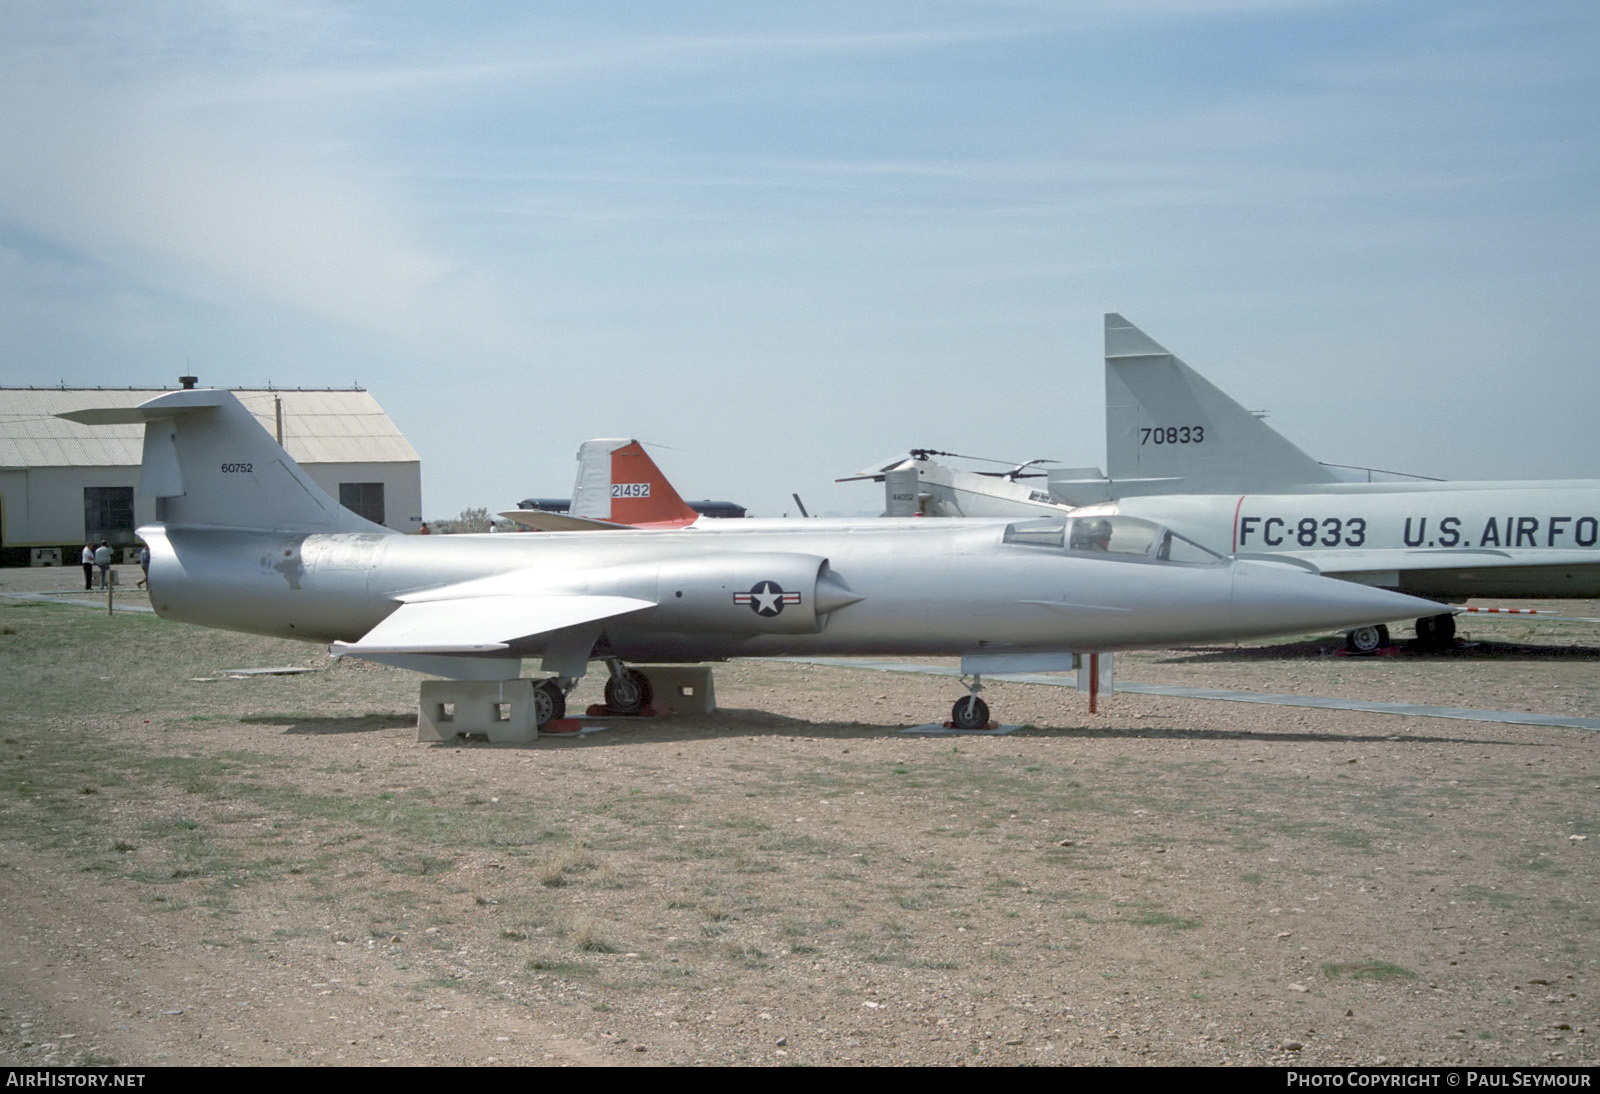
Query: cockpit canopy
[(1125, 538)]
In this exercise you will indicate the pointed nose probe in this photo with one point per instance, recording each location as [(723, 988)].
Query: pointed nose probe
[(1267, 596)]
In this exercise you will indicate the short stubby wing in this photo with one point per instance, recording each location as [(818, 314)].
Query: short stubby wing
[(482, 624)]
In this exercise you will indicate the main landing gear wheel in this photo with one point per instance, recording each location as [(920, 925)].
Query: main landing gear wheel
[(549, 703), (628, 692), (970, 712), (1436, 631), (1366, 639)]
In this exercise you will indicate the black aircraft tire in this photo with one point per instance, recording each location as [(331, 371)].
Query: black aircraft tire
[(1436, 631), (630, 693), (1366, 639), (549, 704), (969, 712)]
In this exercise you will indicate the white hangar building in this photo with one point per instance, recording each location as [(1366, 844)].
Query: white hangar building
[(63, 485)]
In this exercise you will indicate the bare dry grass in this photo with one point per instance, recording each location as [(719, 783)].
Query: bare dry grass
[(208, 870)]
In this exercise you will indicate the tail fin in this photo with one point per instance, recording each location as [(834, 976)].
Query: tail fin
[(1170, 431), (208, 462), (619, 482), (902, 492)]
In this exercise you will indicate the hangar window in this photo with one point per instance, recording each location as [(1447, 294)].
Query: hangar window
[(108, 514), (364, 499)]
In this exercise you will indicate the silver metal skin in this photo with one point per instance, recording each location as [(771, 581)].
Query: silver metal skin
[(942, 588), (1536, 539), (248, 543)]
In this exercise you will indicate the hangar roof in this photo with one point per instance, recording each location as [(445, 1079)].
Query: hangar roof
[(318, 427)]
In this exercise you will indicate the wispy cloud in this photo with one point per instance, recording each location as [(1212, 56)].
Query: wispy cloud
[(556, 205)]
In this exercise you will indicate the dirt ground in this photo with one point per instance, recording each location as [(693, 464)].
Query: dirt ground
[(198, 869)]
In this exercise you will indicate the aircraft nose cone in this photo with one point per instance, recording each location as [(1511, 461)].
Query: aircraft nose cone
[(1269, 599)]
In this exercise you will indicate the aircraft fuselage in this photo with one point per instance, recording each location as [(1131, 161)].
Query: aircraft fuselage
[(1454, 540), (907, 587)]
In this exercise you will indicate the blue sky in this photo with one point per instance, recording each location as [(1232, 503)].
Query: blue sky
[(783, 242)]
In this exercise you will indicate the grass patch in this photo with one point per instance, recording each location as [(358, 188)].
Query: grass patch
[(585, 936), (558, 966), (1366, 970), (1164, 919)]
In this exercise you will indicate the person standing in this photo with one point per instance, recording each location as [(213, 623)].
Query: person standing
[(88, 567), (102, 559), (144, 565)]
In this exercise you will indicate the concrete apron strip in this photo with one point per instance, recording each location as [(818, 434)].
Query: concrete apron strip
[(1415, 710)]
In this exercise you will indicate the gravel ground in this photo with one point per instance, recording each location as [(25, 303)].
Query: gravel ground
[(204, 870)]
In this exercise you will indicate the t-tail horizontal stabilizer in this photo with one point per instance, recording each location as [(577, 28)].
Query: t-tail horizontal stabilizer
[(208, 463)]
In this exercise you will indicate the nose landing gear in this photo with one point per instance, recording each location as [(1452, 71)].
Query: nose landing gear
[(970, 712)]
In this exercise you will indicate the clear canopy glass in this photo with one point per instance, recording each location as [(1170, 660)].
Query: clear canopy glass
[(1127, 538)]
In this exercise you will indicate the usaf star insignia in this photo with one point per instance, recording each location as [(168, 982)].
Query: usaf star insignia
[(766, 598)]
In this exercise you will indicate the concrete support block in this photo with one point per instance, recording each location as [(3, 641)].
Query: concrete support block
[(685, 689), (501, 710)]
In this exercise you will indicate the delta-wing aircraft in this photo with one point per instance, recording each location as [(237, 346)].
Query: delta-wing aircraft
[(244, 540), (1181, 452)]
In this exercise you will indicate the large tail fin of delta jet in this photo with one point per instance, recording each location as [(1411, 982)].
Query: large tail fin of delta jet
[(1169, 431), (208, 462)]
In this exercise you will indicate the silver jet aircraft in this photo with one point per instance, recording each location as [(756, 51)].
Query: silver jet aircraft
[(246, 541), (1181, 452)]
